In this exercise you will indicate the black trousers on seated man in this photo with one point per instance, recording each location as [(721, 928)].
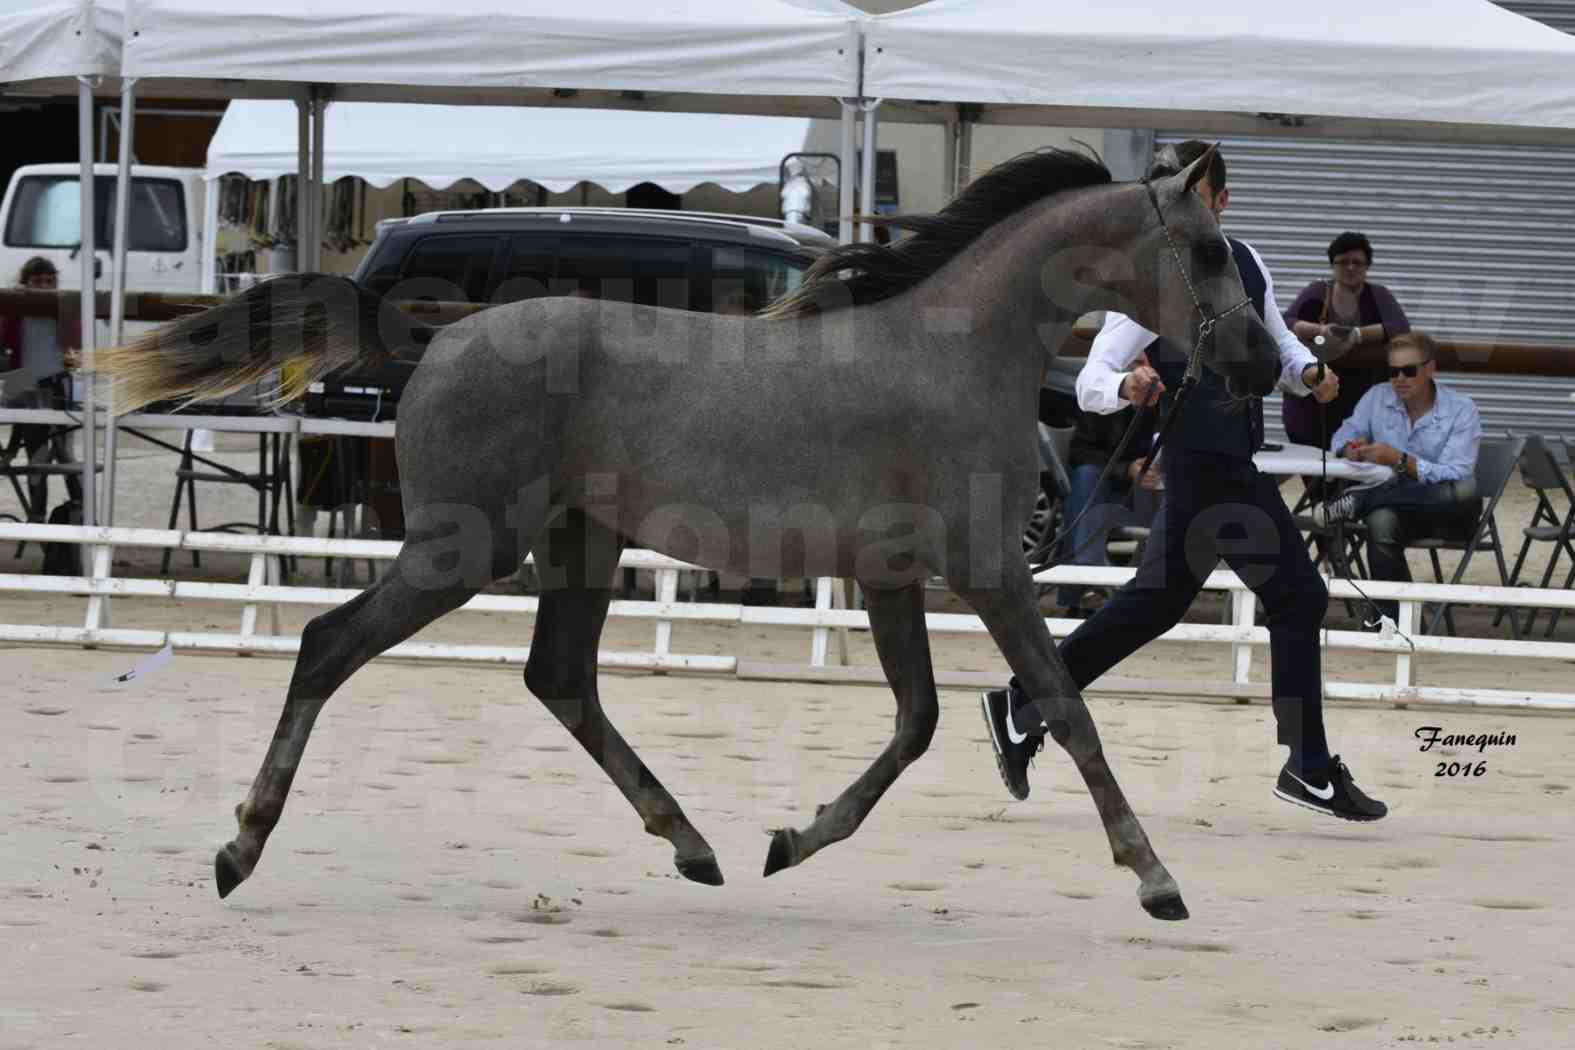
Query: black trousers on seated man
[(1219, 507)]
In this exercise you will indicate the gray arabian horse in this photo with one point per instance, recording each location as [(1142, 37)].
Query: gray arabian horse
[(878, 423)]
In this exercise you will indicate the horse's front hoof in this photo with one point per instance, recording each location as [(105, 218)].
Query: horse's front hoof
[(1167, 906), (227, 871), (783, 852), (702, 869)]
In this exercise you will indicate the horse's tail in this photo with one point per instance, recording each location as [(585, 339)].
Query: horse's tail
[(312, 322)]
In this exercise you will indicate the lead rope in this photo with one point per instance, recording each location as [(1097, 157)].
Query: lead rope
[(1338, 538)]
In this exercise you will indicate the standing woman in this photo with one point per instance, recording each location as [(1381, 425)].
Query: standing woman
[(1348, 299)]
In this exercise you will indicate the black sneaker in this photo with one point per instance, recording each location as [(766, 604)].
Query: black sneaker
[(1014, 749), (1338, 795)]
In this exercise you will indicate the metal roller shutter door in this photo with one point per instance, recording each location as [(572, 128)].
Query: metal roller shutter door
[(1476, 242), (1560, 14)]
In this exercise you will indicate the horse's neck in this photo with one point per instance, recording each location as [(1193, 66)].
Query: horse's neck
[(1022, 285)]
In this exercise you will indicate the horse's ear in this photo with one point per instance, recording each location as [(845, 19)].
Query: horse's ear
[(1199, 168), (1166, 163)]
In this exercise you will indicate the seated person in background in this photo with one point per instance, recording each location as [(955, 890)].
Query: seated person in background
[(46, 348), (1430, 435), (1094, 441), (1348, 300)]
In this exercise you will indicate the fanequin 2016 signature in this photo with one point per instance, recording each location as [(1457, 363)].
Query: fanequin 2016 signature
[(1435, 735)]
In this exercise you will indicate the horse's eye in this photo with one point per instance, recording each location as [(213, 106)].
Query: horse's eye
[(1211, 255)]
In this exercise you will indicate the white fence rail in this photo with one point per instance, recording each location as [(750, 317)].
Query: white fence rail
[(263, 593)]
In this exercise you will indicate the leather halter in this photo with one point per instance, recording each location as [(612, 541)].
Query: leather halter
[(1205, 333)]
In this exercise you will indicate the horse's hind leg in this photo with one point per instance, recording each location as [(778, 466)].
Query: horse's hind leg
[(577, 566), (903, 642), (1011, 614), (333, 647)]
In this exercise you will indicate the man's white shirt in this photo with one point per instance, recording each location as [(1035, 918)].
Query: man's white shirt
[(1122, 339)]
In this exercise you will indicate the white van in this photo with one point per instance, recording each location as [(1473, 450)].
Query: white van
[(41, 216)]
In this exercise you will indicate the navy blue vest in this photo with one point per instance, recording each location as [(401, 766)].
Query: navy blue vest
[(1205, 425)]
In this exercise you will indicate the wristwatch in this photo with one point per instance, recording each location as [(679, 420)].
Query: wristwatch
[(1404, 459)]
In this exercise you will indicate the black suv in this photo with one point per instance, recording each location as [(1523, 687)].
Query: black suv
[(686, 260)]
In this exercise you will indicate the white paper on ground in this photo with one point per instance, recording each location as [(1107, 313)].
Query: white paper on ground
[(147, 665)]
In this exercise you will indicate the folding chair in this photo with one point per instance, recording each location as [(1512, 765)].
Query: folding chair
[(1496, 461), (271, 482), (1542, 474), (21, 475)]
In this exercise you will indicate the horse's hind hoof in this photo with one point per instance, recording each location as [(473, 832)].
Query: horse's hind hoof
[(783, 852), (227, 873), (702, 869), (1168, 906)]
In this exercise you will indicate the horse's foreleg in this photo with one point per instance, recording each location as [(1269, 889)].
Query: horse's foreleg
[(1012, 616), (333, 647), (577, 565), (897, 622)]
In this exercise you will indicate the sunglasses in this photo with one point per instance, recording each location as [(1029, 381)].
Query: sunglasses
[(1409, 371)]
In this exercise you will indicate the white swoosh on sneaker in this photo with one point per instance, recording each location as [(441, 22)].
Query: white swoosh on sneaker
[(1011, 727), (1325, 793)]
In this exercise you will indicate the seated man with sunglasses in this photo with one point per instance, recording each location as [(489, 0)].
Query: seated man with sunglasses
[(1430, 435)]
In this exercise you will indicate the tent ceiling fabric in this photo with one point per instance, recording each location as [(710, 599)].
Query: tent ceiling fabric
[(1438, 62), (58, 40), (497, 146), (716, 47)]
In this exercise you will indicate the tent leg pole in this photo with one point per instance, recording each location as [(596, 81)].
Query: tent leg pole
[(847, 161), (303, 181), (89, 260), (117, 279), (867, 167)]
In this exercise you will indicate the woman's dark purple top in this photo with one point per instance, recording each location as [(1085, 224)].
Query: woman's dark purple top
[(1374, 306)]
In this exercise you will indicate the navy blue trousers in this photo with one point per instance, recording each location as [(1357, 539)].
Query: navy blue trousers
[(1220, 508)]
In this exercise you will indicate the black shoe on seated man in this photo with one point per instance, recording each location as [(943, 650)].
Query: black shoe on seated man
[(1330, 791), (1016, 733)]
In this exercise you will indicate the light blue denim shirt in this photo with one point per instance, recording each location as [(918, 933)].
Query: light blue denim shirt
[(1444, 442)]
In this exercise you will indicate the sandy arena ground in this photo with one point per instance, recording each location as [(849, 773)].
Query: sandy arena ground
[(452, 870)]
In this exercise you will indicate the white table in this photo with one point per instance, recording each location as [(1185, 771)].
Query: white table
[(1308, 460)]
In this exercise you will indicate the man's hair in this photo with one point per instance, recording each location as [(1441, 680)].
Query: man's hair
[(1419, 341), (1348, 241), (1185, 153), (36, 266)]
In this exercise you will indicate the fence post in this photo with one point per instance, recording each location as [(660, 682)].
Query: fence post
[(817, 645), (1403, 658), (666, 591), (256, 576), (1244, 611), (275, 577), (98, 605)]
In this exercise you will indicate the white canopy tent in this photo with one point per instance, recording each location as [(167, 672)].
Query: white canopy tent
[(45, 45), (1452, 70), (498, 146), (785, 57), (702, 55), (69, 47)]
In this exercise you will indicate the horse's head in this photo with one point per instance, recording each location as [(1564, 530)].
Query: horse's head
[(1188, 274)]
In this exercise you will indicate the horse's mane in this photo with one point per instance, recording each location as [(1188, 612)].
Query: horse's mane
[(872, 272)]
